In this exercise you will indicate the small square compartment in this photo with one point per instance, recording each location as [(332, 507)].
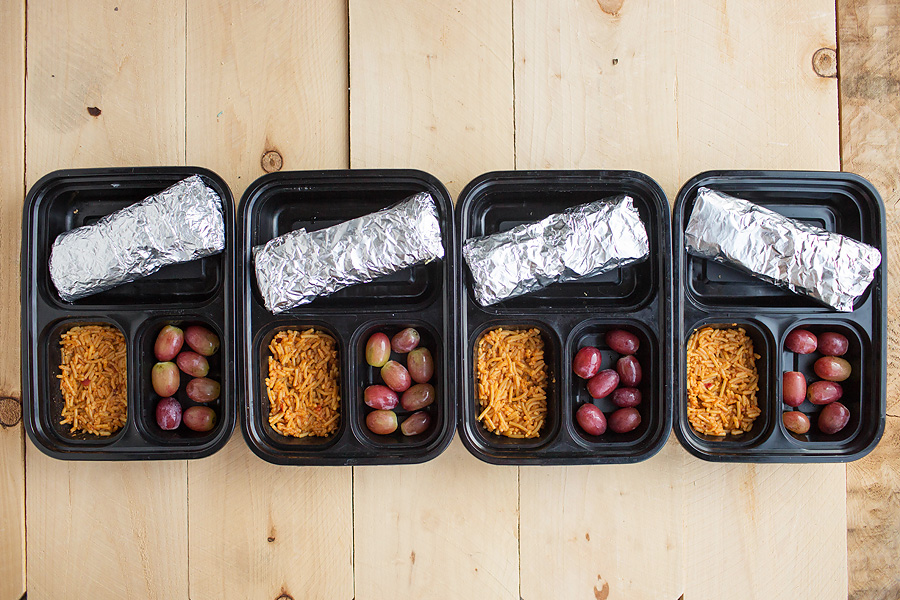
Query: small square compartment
[(366, 375), (261, 352), (766, 397), (652, 406), (147, 398), (50, 405), (855, 388), (500, 444)]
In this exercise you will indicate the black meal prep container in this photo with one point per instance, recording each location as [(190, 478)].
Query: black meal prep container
[(420, 297), (714, 294), (197, 292), (571, 315)]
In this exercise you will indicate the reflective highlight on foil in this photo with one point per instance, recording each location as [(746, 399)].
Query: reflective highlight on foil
[(184, 222), (829, 267), (299, 266), (579, 242)]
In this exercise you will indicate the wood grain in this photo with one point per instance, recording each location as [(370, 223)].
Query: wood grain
[(747, 93), (12, 185), (90, 523), (748, 98), (612, 530), (748, 528), (123, 59), (595, 88), (259, 531), (431, 88), (873, 519), (267, 77), (870, 110), (450, 524), (114, 530)]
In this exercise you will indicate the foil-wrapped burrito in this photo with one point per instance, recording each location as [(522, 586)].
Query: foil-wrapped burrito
[(181, 223), (807, 260), (299, 266), (579, 242)]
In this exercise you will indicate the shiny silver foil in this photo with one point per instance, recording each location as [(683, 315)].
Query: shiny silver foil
[(299, 266), (581, 241), (807, 260), (181, 223)]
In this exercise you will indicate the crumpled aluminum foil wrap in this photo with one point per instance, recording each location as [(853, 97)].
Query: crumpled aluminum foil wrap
[(579, 242), (299, 266), (179, 224), (807, 260)]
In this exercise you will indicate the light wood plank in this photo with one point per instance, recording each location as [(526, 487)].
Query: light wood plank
[(114, 530), (12, 185), (610, 531), (595, 88), (748, 98), (263, 77), (450, 524), (259, 530), (869, 41), (125, 59), (747, 94), (431, 88), (267, 76), (764, 531), (90, 523)]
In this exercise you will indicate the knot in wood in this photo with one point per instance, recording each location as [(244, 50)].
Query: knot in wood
[(285, 597), (271, 161), (824, 62), (10, 411)]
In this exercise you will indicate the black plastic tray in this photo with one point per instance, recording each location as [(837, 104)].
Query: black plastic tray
[(714, 294), (199, 291), (571, 315), (420, 297)]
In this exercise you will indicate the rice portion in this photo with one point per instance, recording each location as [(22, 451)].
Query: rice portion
[(512, 382), (303, 385), (721, 381), (92, 380)]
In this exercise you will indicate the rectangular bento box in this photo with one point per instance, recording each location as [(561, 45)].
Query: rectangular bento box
[(569, 316), (721, 296), (198, 292), (421, 297)]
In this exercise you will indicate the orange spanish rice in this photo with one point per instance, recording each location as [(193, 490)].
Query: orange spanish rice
[(722, 381), (92, 379), (304, 384), (512, 382)]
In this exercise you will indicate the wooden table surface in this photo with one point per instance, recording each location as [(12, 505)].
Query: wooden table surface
[(456, 88)]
